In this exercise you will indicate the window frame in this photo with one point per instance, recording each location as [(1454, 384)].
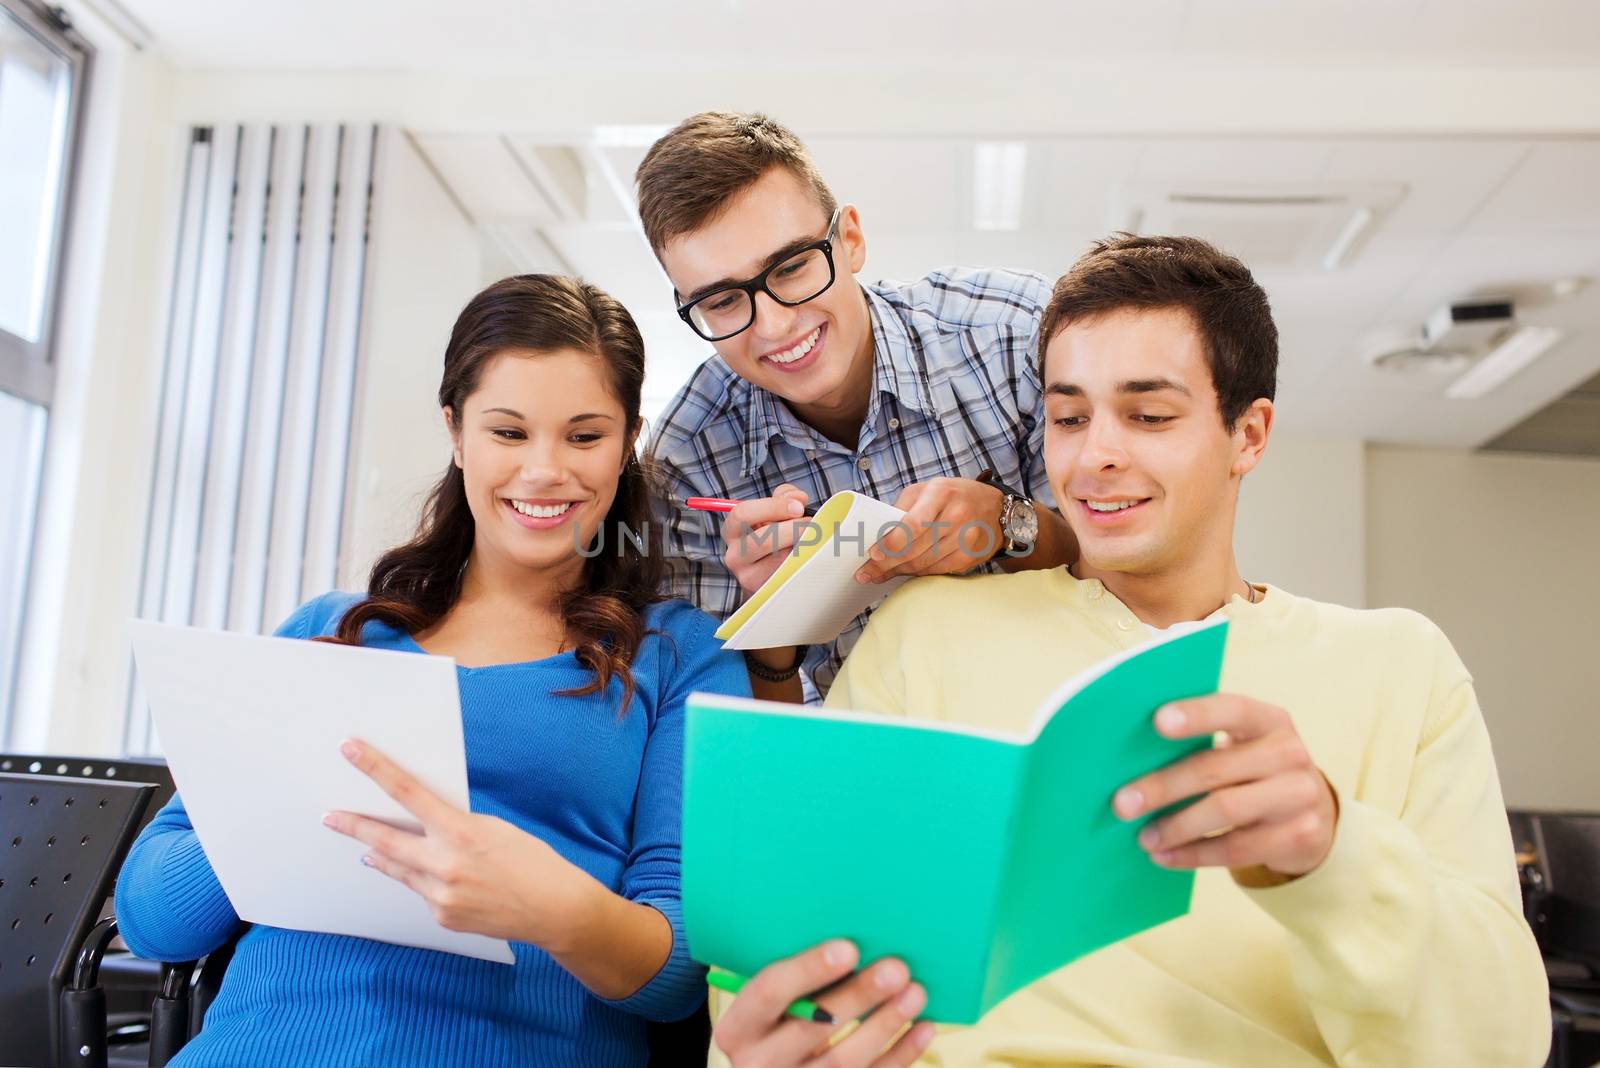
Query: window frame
[(27, 368)]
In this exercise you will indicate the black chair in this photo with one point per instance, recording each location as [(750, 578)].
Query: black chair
[(165, 1004), (63, 841), (130, 983), (1558, 863), (686, 1041), (151, 770)]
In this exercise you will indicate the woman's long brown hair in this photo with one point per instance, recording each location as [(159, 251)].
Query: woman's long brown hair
[(414, 585)]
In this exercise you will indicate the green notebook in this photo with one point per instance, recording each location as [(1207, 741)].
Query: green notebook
[(983, 859)]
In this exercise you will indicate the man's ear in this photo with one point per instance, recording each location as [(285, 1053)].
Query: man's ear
[(455, 434), (1250, 436), (853, 239)]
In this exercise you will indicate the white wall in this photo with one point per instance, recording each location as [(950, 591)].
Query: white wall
[(1500, 551), (1301, 523)]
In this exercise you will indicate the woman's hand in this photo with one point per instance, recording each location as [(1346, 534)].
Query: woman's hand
[(477, 873)]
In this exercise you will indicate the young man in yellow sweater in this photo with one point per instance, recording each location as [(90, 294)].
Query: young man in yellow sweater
[(1356, 899)]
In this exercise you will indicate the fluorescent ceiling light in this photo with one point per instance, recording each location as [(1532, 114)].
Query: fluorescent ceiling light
[(997, 170), (1342, 245), (1517, 351)]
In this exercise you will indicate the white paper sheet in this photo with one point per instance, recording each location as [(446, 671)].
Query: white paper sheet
[(251, 729), (820, 599)]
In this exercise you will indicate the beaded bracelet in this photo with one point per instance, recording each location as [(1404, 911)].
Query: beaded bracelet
[(767, 674)]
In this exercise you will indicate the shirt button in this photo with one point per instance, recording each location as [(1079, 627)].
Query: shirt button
[(864, 463), (894, 424), (811, 454), (1124, 624)]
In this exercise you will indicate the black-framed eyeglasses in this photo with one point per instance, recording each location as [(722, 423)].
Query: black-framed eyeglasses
[(804, 276)]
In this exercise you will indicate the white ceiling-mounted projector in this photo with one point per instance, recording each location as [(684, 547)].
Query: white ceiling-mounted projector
[(1447, 341), (1479, 336)]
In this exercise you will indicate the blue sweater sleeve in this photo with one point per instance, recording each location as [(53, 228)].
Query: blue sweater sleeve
[(692, 660), (170, 905)]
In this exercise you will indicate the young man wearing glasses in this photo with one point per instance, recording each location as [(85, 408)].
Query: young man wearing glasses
[(925, 395)]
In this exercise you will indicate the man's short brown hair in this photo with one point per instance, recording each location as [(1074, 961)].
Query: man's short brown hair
[(1229, 309), (691, 173)]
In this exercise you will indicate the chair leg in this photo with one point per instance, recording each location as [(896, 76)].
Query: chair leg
[(83, 1028), (169, 1014)]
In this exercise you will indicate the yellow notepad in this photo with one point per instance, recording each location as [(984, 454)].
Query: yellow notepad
[(814, 594)]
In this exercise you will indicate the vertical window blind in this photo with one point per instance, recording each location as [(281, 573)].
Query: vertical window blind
[(247, 497)]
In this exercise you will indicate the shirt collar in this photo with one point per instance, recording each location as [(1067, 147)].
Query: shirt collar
[(764, 420), (895, 359), (1091, 596)]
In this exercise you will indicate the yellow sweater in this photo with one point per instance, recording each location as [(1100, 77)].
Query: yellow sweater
[(1407, 947)]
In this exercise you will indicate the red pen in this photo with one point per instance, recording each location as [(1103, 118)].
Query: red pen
[(723, 504)]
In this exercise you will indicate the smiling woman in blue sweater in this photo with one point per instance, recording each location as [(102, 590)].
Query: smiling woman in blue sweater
[(573, 674)]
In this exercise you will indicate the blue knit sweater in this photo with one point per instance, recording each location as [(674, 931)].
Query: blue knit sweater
[(604, 792)]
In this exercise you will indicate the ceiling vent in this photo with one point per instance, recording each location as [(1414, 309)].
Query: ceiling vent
[(1276, 226)]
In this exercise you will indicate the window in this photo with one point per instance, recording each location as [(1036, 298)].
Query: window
[(42, 66)]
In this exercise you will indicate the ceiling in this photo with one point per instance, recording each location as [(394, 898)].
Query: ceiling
[(1569, 425), (1452, 218), (1451, 215), (511, 36)]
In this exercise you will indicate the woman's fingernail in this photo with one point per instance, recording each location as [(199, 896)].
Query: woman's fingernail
[(1149, 837), (328, 820), (350, 749), (366, 858), (890, 975), (1170, 719), (1164, 857), (795, 507), (838, 954)]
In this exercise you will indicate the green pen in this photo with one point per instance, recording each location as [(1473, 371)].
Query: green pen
[(802, 1009)]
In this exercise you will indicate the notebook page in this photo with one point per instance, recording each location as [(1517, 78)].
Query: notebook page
[(820, 597)]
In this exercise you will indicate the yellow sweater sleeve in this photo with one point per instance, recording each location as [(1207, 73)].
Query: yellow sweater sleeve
[(1409, 941)]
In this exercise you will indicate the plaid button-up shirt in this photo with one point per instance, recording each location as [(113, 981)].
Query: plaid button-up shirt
[(955, 390)]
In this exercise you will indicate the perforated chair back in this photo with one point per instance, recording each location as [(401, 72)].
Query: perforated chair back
[(62, 841), (152, 770)]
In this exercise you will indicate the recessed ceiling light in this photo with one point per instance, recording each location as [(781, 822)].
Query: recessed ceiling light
[(1520, 348), (997, 173)]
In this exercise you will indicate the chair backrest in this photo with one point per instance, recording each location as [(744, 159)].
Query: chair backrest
[(1569, 848), (61, 843), (152, 770)]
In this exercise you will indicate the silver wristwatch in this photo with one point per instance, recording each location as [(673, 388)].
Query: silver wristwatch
[(1019, 519)]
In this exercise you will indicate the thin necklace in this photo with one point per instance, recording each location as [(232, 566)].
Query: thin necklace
[(1251, 594)]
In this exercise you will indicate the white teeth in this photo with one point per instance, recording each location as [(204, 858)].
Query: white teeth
[(1109, 506), (541, 511), (799, 350)]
